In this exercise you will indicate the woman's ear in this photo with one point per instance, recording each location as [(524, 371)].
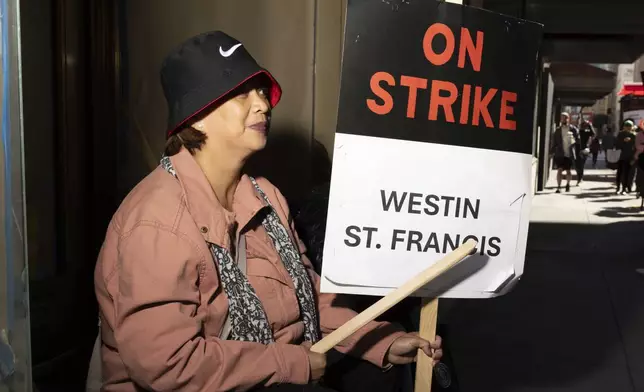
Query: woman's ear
[(199, 125)]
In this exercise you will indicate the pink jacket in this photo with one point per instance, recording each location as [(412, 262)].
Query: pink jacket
[(161, 305)]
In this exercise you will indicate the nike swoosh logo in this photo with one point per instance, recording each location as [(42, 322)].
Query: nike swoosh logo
[(229, 52)]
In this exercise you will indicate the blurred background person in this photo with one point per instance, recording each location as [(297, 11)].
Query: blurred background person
[(639, 161), (595, 147), (608, 142), (626, 144), (563, 149), (585, 137)]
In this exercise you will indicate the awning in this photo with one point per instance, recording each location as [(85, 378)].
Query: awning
[(581, 84), (636, 89)]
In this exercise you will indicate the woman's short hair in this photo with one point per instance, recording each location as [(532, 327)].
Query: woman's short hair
[(190, 138)]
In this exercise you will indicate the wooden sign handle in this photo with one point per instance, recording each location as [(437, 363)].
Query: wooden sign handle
[(391, 299), (425, 364)]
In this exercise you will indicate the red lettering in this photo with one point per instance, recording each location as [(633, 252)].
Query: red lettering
[(465, 104), (475, 51), (444, 96), (432, 31), (507, 110), (437, 100), (480, 106), (414, 84), (388, 100)]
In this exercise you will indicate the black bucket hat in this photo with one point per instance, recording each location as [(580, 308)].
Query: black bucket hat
[(204, 70)]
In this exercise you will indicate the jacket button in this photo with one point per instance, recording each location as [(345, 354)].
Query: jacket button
[(204, 229)]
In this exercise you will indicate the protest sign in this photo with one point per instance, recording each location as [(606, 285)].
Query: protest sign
[(433, 146)]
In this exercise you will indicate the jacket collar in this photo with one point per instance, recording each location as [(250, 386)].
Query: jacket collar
[(215, 223)]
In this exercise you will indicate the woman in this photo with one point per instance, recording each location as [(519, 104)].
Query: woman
[(202, 281)]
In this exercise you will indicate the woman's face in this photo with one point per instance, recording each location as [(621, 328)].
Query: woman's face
[(241, 123)]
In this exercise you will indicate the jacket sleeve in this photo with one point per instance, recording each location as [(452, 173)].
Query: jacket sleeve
[(159, 332), (372, 341)]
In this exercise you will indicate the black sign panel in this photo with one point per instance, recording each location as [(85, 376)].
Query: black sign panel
[(430, 71)]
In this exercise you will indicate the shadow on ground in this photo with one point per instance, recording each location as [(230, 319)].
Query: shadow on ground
[(601, 188), (621, 212), (615, 199), (592, 177), (572, 324)]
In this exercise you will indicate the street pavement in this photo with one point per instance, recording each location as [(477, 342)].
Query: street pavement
[(575, 321)]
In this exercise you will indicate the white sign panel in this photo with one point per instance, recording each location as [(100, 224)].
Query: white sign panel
[(433, 147)]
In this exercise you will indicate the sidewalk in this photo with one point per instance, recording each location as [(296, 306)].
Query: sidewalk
[(594, 201), (575, 323)]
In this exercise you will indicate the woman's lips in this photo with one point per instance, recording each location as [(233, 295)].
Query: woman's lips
[(260, 126)]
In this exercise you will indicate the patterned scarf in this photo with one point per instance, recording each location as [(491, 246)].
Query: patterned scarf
[(247, 315)]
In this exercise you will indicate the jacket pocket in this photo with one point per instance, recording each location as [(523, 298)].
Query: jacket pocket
[(260, 267), (274, 291), (267, 280)]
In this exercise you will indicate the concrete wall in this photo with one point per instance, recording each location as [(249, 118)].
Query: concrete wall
[(546, 126), (602, 105), (281, 36), (625, 74), (638, 66), (328, 63), (536, 131)]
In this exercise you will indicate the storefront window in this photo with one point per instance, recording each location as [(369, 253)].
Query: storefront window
[(15, 361)]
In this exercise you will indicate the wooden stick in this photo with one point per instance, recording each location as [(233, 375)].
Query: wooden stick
[(391, 299), (425, 364)]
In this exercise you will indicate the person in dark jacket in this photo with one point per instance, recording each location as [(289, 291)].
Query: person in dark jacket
[(626, 143), (582, 148)]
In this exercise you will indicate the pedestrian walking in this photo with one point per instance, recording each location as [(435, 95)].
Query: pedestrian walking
[(563, 149), (586, 134), (626, 144)]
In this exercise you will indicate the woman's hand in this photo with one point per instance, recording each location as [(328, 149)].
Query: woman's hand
[(317, 362), (404, 349)]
